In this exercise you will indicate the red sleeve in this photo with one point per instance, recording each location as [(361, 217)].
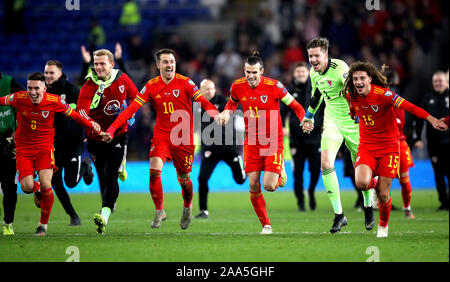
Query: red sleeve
[(84, 100), (233, 102), (207, 106), (446, 120), (298, 109), (68, 111), (413, 109), (124, 116)]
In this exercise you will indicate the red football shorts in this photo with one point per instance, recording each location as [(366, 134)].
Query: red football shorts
[(406, 160), (182, 155), (381, 163), (257, 158), (30, 160)]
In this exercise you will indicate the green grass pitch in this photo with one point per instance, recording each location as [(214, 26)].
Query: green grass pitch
[(231, 234)]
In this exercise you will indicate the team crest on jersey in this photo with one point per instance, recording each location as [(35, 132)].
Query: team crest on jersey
[(388, 93), (143, 90), (176, 93), (264, 98), (330, 83), (122, 88), (374, 108), (45, 114)]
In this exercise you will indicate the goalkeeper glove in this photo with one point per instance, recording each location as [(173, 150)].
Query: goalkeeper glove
[(309, 117)]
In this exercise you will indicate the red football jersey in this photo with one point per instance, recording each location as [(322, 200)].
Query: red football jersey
[(261, 106), (377, 122), (400, 118), (35, 122), (114, 96), (173, 105)]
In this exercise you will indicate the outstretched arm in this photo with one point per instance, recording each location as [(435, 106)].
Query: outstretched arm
[(421, 113), (124, 116), (289, 101)]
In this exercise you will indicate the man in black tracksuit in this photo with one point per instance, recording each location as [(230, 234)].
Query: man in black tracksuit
[(8, 182), (437, 104), (68, 141), (212, 153), (303, 146)]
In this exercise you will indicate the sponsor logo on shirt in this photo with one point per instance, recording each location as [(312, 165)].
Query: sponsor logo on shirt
[(111, 108)]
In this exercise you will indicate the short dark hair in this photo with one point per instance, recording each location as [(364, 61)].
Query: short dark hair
[(321, 42), (36, 76), (255, 59), (56, 63), (300, 64), (163, 51)]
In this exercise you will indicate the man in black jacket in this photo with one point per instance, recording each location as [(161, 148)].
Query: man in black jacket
[(216, 148), (437, 104), (68, 141), (8, 182), (303, 146)]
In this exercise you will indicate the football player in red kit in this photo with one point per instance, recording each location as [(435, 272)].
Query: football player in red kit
[(263, 146), (34, 139), (405, 163), (171, 95), (378, 151)]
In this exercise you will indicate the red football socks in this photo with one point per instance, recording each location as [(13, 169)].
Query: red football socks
[(36, 186), (259, 204), (384, 212), (156, 190), (406, 191), (47, 199)]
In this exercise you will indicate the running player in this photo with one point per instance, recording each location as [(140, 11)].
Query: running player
[(171, 96), (34, 139), (378, 152), (263, 146), (327, 78), (102, 97)]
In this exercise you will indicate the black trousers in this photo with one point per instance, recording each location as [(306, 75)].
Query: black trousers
[(441, 167), (74, 170), (108, 158), (209, 162), (8, 182), (300, 154)]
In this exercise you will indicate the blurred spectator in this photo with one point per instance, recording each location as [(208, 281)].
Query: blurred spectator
[(292, 54), (130, 14), (228, 63), (96, 36)]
